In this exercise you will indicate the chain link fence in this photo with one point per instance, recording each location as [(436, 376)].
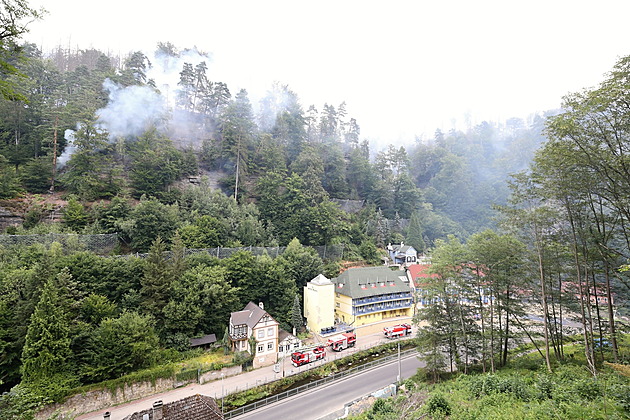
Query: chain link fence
[(326, 252), (101, 244), (104, 244)]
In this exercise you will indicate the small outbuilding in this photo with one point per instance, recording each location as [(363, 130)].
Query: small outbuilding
[(204, 342)]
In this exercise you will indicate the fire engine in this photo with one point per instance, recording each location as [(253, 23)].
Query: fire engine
[(304, 356), (397, 330), (342, 341)]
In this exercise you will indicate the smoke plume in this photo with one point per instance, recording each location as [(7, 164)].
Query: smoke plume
[(131, 110)]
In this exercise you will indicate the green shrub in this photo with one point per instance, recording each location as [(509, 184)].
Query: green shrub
[(544, 387), (587, 389), (437, 404), (381, 409), (621, 394)]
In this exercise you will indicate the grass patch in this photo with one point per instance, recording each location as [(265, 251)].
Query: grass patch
[(522, 390)]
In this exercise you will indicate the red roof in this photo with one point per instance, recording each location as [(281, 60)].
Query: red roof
[(421, 271)]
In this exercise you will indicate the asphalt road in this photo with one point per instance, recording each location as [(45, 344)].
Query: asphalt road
[(224, 386), (319, 402)]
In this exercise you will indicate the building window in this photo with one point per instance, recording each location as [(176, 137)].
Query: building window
[(260, 348), (296, 345), (270, 346), (261, 333), (269, 332), (337, 305)]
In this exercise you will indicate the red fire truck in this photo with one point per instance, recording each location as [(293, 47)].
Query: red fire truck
[(342, 341), (304, 356), (397, 331)]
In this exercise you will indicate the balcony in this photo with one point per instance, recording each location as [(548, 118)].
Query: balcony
[(381, 298), (382, 307)]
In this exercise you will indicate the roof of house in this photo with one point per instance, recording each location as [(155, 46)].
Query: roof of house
[(283, 335), (421, 271), (251, 315), (193, 407), (201, 341), (402, 248), (321, 280), (370, 281)]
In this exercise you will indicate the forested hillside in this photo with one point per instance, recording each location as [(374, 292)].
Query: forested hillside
[(153, 150), (93, 129)]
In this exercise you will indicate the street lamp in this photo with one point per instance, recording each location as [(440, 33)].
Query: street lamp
[(222, 391)]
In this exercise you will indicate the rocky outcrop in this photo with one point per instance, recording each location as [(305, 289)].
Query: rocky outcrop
[(9, 218)]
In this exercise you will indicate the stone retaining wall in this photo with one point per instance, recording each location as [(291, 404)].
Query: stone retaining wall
[(101, 399)]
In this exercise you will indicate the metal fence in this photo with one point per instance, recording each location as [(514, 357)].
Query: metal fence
[(101, 244), (326, 252), (303, 388)]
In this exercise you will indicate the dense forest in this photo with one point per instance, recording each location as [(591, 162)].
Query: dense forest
[(518, 207)]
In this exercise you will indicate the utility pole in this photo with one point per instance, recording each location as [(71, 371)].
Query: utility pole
[(399, 371)]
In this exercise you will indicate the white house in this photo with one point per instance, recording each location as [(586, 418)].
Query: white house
[(255, 322), (287, 344), (402, 254)]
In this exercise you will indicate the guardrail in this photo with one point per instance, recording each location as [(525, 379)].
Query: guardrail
[(303, 388)]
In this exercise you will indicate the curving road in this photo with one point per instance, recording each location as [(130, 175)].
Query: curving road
[(224, 386), (319, 402)]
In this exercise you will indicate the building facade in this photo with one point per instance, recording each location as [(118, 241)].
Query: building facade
[(403, 255), (319, 303), (255, 323), (371, 295)]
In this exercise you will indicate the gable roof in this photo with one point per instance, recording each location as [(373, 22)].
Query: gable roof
[(250, 316), (321, 280), (194, 407), (206, 339), (402, 249), (283, 335), (370, 281)]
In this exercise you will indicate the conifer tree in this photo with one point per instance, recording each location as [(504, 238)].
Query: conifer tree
[(296, 315), (156, 282), (46, 355)]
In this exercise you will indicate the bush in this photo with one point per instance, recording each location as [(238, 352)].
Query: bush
[(437, 404), (381, 409), (544, 387), (621, 394), (587, 389)]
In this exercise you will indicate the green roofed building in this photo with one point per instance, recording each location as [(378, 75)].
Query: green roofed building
[(370, 295)]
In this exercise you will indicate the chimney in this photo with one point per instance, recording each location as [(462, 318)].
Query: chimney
[(261, 305), (106, 415), (157, 410)]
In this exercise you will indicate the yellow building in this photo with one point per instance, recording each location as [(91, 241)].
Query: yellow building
[(370, 295), (319, 303)]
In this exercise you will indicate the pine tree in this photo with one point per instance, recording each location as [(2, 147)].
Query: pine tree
[(296, 315), (156, 282), (414, 233), (46, 355)]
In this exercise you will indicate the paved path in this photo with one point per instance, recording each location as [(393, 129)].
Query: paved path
[(228, 385)]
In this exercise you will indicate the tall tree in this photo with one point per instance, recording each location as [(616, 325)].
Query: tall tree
[(47, 355), (14, 20), (156, 283)]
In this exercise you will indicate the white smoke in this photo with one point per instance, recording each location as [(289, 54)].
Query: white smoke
[(165, 71), (69, 150), (131, 110)]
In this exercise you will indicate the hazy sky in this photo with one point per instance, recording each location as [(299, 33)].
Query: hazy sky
[(404, 68)]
